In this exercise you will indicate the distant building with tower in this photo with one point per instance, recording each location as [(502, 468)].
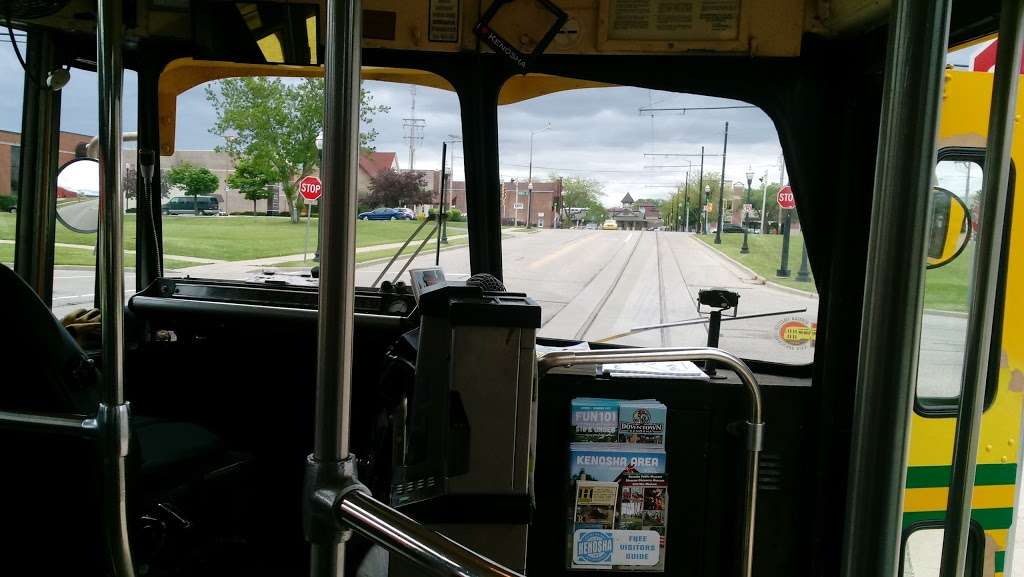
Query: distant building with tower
[(636, 215)]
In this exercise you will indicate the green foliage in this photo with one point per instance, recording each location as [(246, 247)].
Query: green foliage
[(193, 180), (8, 202), (274, 124), (455, 215), (252, 181), (581, 192), (391, 188)]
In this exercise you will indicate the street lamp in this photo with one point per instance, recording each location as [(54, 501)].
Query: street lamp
[(704, 209), (529, 178), (745, 249), (320, 155), (721, 204)]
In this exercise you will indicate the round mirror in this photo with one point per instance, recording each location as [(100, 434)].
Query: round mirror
[(78, 195), (950, 228)]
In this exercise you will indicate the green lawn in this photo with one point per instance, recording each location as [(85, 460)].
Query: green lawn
[(945, 287), (381, 254), (765, 255), (85, 257), (241, 237)]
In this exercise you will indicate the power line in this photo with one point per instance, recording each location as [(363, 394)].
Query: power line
[(686, 109)]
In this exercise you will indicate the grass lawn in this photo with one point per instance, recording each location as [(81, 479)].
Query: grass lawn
[(241, 237), (945, 287), (765, 255), (379, 254), (85, 257)]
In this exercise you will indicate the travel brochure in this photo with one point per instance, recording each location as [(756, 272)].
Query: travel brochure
[(617, 469)]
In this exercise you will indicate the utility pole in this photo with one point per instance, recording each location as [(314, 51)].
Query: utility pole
[(721, 186), (529, 179), (413, 129), (700, 190)]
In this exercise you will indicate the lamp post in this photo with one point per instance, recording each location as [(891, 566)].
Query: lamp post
[(745, 249), (320, 155), (529, 178), (704, 209), (764, 199)]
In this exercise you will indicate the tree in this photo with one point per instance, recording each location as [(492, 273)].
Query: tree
[(391, 188), (193, 180), (581, 192), (252, 181), (274, 123)]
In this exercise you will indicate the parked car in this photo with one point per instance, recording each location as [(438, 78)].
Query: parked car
[(729, 228), (386, 214), (609, 225), (591, 226), (207, 205)]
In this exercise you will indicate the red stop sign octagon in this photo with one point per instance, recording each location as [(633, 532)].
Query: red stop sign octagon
[(785, 198), (311, 188)]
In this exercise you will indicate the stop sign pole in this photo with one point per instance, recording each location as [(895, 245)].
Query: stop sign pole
[(787, 202), (310, 188)]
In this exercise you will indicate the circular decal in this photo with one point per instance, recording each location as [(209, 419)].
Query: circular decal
[(796, 333)]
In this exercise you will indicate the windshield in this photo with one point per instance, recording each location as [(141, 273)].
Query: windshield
[(244, 179), (611, 203)]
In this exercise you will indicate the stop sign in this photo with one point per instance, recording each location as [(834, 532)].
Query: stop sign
[(310, 188), (785, 198)]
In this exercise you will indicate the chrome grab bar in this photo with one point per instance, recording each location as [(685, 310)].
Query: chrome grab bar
[(755, 425), (428, 549), (65, 424)]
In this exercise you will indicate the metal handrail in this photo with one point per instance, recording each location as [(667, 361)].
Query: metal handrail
[(427, 549), (755, 433), (65, 424)]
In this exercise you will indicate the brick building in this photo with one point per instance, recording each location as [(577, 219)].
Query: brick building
[(515, 201), (10, 156)]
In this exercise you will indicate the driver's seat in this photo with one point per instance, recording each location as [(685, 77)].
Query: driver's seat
[(52, 374)]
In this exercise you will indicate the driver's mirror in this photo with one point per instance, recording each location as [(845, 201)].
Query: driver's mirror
[(78, 195), (950, 227)]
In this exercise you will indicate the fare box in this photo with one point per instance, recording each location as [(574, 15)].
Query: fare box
[(594, 420)]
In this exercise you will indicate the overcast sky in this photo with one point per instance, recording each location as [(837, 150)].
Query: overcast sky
[(598, 132)]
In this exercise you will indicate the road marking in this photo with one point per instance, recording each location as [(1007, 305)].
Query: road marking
[(627, 238), (565, 248), (127, 291)]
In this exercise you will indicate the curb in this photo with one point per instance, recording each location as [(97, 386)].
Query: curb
[(754, 276), (942, 313)]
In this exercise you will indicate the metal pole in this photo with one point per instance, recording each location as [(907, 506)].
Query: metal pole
[(764, 200), (432, 552), (440, 203), (305, 248), (37, 201), (701, 191), (994, 195), (112, 416), (784, 257), (337, 258), (804, 274), (745, 249), (721, 187), (529, 187), (893, 288)]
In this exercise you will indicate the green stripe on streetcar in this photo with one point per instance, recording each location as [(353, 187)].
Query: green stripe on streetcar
[(1000, 559), (1000, 518), (938, 476)]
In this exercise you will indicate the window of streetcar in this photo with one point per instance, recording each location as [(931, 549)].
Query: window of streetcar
[(10, 140), (622, 220), (235, 208)]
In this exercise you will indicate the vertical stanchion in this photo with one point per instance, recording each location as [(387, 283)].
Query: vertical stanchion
[(983, 307), (112, 416), (893, 287), (337, 272)]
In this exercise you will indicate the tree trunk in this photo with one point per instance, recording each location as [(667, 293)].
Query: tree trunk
[(294, 212)]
